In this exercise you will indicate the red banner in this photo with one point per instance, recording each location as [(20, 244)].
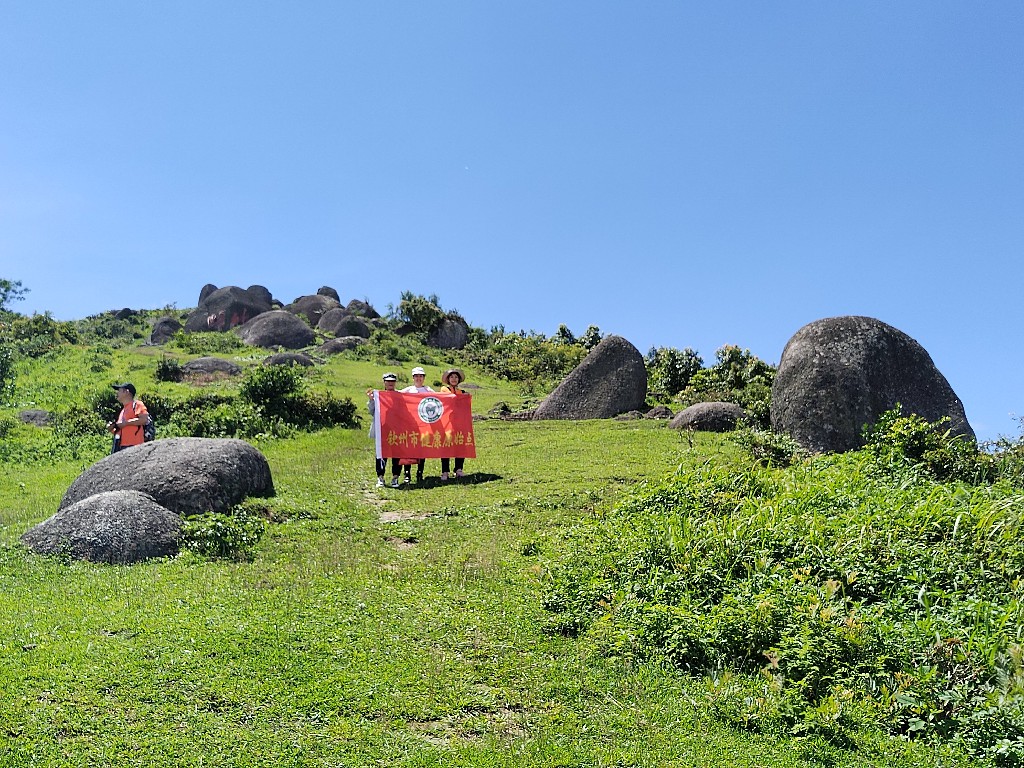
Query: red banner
[(424, 425)]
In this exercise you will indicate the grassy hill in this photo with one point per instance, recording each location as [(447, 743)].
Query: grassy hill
[(593, 594)]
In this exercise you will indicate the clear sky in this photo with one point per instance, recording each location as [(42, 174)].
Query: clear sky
[(682, 174)]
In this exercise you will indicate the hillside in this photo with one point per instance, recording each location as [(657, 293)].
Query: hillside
[(597, 593)]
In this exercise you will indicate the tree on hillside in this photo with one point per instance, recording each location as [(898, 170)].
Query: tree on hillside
[(10, 290)]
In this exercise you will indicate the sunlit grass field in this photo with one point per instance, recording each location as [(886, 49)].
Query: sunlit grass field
[(371, 626)]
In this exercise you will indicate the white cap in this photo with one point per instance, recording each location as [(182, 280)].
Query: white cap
[(417, 371)]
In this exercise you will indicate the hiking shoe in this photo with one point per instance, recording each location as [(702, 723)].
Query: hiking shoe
[(380, 482), (444, 476), (458, 473), (419, 478), (394, 482)]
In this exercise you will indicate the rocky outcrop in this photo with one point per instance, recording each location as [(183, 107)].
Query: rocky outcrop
[(313, 307), (340, 344), (210, 365), (226, 308), (164, 330), (339, 322), (451, 333), (36, 417), (710, 417), (326, 290), (277, 328), (117, 527), (186, 475), (840, 374), (611, 379), (362, 309), (290, 358)]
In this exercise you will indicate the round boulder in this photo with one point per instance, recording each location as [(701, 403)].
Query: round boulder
[(227, 308), (210, 365), (164, 330), (35, 416), (451, 333), (277, 328), (340, 344), (840, 374), (326, 290), (710, 417), (313, 307), (289, 358), (362, 309), (659, 412), (339, 322), (611, 379), (117, 527), (187, 475)]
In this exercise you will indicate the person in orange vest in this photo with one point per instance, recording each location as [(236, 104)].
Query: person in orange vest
[(127, 428)]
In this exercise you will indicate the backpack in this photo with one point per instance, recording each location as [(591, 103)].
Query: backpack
[(148, 431)]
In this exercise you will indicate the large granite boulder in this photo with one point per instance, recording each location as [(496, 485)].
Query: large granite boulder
[(363, 309), (611, 379), (210, 366), (117, 527), (277, 328), (840, 374), (326, 290), (164, 330), (290, 358), (35, 416), (313, 307), (339, 322), (340, 344), (226, 308), (710, 417), (187, 475), (451, 333)]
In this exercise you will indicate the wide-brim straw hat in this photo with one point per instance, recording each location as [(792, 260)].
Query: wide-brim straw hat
[(450, 371)]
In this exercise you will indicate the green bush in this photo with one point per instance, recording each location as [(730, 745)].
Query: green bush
[(669, 370), (8, 376), (900, 443), (34, 336), (263, 386), (736, 377), (862, 597), (217, 535), (169, 369), (206, 342)]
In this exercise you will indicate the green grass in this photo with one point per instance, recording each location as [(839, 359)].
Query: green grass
[(371, 627)]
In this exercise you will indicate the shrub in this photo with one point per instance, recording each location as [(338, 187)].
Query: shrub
[(206, 342), (861, 597), (669, 370), (737, 377), (168, 369), (8, 375), (769, 448), (264, 385), (217, 535), (36, 335), (898, 442)]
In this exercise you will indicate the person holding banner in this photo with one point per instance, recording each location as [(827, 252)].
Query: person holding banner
[(389, 380), (419, 377), (452, 378)]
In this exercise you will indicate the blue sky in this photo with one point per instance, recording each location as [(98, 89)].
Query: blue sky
[(682, 174)]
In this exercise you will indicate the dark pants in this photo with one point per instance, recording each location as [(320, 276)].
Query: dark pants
[(459, 464), (419, 469), (382, 463)]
